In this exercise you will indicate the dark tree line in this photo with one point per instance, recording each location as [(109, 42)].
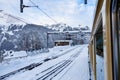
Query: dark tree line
[(30, 41)]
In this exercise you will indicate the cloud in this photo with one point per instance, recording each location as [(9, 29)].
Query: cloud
[(71, 12)]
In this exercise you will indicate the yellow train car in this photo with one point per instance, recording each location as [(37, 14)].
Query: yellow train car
[(104, 46)]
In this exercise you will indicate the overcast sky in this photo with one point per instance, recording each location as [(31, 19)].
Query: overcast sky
[(71, 12)]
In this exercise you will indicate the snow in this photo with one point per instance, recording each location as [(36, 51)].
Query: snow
[(65, 32), (63, 41), (10, 32), (10, 65), (77, 70), (100, 67), (15, 54), (71, 31)]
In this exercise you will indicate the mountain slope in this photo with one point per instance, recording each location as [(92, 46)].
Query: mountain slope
[(23, 37)]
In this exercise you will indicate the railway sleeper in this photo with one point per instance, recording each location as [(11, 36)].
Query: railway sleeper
[(61, 70), (52, 66), (54, 70)]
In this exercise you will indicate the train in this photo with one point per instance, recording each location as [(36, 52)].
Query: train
[(105, 41)]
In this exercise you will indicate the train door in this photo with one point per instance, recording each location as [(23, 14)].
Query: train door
[(99, 52), (115, 20)]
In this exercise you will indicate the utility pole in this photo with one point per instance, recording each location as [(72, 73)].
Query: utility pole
[(47, 39), (1, 55), (22, 6), (85, 1)]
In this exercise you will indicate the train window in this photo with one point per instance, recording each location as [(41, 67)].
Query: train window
[(99, 53), (99, 42)]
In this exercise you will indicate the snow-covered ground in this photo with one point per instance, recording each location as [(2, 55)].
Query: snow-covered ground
[(79, 69), (12, 54), (60, 63), (100, 67)]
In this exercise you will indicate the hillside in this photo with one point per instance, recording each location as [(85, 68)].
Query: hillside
[(23, 37)]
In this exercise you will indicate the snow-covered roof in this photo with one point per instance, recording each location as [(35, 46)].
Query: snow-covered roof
[(53, 32), (64, 32), (63, 41), (72, 31)]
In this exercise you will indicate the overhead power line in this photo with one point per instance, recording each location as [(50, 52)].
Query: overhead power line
[(43, 11), (17, 18)]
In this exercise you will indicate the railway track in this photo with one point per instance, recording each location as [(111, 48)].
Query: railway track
[(62, 65), (53, 71), (29, 67)]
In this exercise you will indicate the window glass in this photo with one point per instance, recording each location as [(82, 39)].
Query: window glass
[(99, 54)]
